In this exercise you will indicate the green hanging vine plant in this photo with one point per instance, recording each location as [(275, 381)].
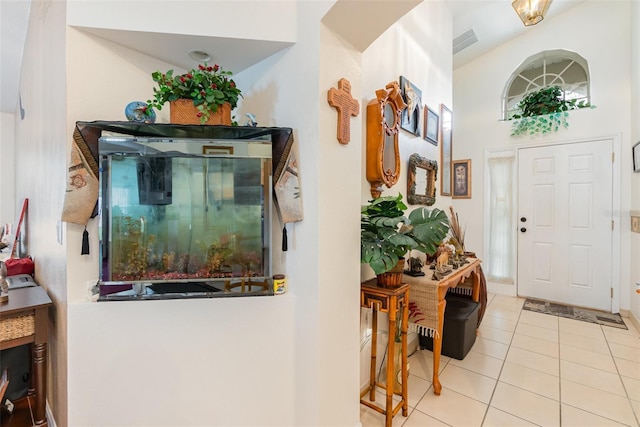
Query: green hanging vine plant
[(544, 111)]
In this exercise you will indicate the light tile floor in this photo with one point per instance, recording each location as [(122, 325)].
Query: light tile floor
[(527, 369)]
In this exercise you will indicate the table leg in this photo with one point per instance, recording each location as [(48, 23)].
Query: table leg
[(374, 348), (475, 285), (437, 347), (475, 288), (405, 372), (40, 382), (391, 371)]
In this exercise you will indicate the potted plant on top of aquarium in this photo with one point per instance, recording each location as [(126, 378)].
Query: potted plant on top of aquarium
[(207, 89), (387, 235)]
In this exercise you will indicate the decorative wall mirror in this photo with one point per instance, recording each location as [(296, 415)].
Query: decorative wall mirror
[(421, 180), (383, 125)]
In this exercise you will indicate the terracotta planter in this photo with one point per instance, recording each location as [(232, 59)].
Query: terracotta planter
[(393, 277), (183, 112)]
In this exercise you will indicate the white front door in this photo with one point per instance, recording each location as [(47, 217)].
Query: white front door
[(565, 235)]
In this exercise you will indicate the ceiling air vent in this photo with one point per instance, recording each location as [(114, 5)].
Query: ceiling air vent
[(464, 40)]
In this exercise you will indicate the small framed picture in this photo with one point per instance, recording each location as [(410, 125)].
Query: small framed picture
[(411, 116), (636, 157), (461, 179), (216, 149), (431, 125)]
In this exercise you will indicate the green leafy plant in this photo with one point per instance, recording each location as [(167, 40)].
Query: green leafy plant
[(386, 234), (544, 111), (208, 86)]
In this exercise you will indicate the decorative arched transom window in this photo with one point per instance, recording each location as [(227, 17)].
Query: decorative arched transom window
[(562, 68)]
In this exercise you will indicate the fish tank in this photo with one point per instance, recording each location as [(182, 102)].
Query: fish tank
[(184, 217)]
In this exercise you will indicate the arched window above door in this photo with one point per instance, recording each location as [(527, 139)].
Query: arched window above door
[(562, 68)]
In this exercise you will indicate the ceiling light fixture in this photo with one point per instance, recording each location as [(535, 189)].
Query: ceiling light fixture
[(531, 11), (199, 55)]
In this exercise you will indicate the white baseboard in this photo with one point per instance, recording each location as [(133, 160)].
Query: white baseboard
[(51, 422), (634, 320)]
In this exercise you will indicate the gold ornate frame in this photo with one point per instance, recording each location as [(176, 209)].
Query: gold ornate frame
[(418, 164)]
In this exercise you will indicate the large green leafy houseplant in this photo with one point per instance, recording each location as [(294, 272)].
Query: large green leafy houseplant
[(544, 111), (386, 234)]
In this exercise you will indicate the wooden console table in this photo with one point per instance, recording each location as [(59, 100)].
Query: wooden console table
[(24, 320), (388, 301), (429, 296)]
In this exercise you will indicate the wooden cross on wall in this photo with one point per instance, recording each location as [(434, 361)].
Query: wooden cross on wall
[(346, 105)]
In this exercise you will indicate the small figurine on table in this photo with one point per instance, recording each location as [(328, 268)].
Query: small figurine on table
[(4, 284), (415, 267), (442, 266)]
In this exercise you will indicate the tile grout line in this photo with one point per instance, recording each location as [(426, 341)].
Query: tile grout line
[(615, 363), (588, 386), (484, 417), (559, 377)]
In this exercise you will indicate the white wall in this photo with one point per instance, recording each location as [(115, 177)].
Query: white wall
[(182, 362), (419, 48), (478, 87), (40, 158), (339, 237), (635, 137), (7, 168)]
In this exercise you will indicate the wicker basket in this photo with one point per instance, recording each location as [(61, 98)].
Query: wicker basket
[(17, 327), (183, 112)]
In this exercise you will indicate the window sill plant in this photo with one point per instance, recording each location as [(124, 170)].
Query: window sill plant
[(544, 111), (387, 235), (207, 86)]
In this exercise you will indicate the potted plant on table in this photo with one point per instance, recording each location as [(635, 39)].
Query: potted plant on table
[(207, 89), (387, 235)]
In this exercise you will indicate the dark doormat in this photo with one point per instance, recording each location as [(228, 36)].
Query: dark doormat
[(583, 314)]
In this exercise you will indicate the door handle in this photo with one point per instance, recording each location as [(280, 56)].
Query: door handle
[(523, 229)]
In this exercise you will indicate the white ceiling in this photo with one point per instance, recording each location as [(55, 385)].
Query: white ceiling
[(493, 21)]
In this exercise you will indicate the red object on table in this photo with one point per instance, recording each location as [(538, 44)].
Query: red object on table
[(17, 266)]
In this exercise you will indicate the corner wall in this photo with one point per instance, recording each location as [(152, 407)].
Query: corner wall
[(7, 169), (40, 159), (635, 137)]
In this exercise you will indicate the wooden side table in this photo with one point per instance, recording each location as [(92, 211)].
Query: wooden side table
[(24, 320), (388, 301), (437, 290)]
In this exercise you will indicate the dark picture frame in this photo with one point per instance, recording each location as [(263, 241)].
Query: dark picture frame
[(446, 149), (431, 125), (461, 179), (635, 154), (411, 118)]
